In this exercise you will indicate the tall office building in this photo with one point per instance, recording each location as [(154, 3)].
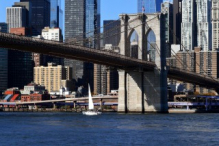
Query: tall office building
[(16, 17), (28, 8), (20, 64), (149, 6), (56, 14), (40, 15), (106, 79), (167, 27), (177, 20), (82, 18), (188, 29), (3, 62), (215, 24), (196, 24), (204, 27)]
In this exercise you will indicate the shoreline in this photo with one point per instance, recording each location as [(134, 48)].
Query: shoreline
[(171, 111)]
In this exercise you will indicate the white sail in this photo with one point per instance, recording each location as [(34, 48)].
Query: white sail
[(91, 104)]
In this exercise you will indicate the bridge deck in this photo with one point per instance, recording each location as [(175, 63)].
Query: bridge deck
[(100, 57)]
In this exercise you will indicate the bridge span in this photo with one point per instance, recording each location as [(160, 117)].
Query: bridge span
[(142, 84), (102, 57)]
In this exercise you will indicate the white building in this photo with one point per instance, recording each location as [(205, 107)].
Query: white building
[(204, 24), (215, 24), (33, 88), (52, 34), (196, 24), (16, 17), (187, 26)]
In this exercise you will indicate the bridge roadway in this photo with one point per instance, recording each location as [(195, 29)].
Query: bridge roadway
[(118, 61)]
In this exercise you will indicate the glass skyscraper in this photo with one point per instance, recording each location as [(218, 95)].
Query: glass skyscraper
[(149, 6), (40, 15), (56, 14), (82, 17), (3, 62)]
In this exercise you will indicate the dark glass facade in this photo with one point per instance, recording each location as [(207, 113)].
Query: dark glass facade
[(167, 27), (20, 64), (56, 14), (111, 35), (82, 17), (20, 68), (177, 20), (28, 8), (3, 62), (40, 15), (149, 6)]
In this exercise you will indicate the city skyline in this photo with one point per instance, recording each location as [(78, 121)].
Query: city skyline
[(106, 8)]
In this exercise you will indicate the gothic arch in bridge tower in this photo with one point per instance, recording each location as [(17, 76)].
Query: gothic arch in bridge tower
[(142, 24), (141, 91)]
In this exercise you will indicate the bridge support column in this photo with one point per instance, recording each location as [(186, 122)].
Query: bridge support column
[(54, 106), (101, 104), (142, 91)]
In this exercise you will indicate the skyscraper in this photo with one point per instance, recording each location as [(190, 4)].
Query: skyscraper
[(149, 6), (196, 24), (40, 15), (177, 19), (204, 24), (16, 17), (82, 18), (167, 27), (106, 79), (215, 25), (20, 64), (3, 62), (189, 31), (28, 8), (56, 14)]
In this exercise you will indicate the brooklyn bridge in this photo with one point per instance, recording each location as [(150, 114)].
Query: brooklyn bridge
[(132, 68)]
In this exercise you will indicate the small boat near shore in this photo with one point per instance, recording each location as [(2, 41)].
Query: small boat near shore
[(90, 111)]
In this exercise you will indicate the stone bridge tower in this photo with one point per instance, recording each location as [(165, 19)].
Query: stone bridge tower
[(142, 91)]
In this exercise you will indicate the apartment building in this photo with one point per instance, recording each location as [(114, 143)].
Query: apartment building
[(53, 77)]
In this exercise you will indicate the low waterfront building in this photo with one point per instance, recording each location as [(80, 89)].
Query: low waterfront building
[(35, 97), (33, 88), (11, 94)]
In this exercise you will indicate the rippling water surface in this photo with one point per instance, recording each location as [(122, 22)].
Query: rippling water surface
[(37, 129)]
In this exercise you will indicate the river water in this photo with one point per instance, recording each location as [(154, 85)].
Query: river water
[(75, 129)]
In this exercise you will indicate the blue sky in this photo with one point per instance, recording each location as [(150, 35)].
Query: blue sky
[(110, 9)]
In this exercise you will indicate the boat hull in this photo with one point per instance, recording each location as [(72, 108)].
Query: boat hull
[(91, 113)]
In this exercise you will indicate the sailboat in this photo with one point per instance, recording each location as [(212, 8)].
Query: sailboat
[(91, 110)]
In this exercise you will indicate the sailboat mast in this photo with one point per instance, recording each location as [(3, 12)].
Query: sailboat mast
[(91, 105)]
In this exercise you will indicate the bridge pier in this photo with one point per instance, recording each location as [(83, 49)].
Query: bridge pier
[(142, 91)]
